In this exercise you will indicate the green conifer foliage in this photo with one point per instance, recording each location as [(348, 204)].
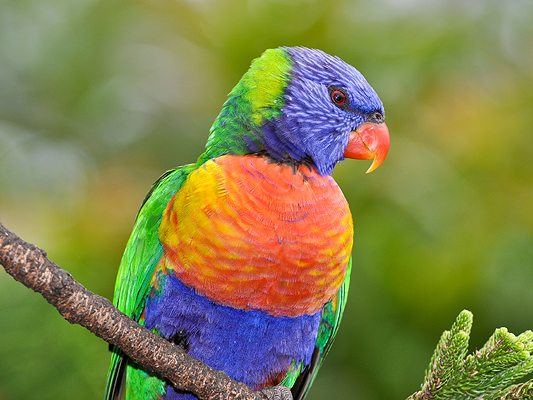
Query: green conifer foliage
[(490, 373)]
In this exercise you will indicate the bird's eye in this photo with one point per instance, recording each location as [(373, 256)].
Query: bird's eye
[(338, 97)]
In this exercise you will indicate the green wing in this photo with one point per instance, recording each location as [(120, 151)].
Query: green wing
[(139, 262), (300, 381)]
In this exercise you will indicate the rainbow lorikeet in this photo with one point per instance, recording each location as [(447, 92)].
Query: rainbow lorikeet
[(244, 257)]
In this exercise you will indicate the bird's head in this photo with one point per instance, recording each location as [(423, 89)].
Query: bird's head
[(300, 105)]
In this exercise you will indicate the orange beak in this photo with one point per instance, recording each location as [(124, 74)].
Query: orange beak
[(369, 142)]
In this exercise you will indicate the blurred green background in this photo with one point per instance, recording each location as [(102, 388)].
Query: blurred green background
[(98, 98)]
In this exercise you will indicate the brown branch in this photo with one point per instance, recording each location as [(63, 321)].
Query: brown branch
[(29, 265)]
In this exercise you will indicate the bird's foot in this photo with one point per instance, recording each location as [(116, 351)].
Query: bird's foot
[(277, 392)]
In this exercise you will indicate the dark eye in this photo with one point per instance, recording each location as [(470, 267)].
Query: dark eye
[(338, 97)]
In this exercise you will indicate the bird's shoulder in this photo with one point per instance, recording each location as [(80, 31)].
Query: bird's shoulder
[(143, 249)]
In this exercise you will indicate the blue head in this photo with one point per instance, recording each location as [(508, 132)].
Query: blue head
[(298, 105)]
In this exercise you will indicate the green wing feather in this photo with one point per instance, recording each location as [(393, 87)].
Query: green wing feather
[(139, 262), (299, 380)]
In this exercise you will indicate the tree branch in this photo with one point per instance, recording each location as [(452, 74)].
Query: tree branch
[(29, 265), (491, 373)]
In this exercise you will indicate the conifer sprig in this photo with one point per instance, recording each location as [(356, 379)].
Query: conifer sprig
[(490, 373)]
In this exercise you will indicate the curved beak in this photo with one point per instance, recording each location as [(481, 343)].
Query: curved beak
[(369, 142)]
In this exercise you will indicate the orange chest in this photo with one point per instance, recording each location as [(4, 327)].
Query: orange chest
[(251, 234)]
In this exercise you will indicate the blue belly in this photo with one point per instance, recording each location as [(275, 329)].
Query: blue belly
[(250, 346)]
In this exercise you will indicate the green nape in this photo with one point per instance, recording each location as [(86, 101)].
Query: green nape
[(258, 97), (266, 99)]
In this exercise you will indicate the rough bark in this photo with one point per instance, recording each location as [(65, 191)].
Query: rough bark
[(29, 265)]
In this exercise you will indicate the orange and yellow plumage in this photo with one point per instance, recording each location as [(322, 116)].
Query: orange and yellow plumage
[(253, 234)]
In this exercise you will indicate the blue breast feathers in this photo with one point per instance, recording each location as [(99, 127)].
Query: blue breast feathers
[(249, 345)]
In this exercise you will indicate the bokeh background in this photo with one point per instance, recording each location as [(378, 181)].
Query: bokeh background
[(99, 97)]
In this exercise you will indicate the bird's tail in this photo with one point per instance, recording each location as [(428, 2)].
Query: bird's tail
[(116, 375)]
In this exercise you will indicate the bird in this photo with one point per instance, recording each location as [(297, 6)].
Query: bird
[(243, 258)]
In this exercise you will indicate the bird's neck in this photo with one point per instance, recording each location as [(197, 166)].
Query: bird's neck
[(239, 128), (233, 132)]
